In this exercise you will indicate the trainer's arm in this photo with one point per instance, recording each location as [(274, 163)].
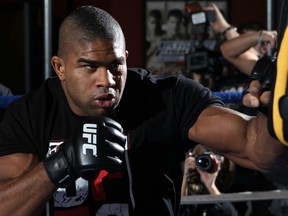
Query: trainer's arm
[(24, 185), (240, 52), (243, 139)]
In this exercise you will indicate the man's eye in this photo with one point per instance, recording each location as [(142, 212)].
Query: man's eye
[(114, 66), (90, 67)]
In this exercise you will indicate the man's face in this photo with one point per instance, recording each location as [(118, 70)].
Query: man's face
[(93, 76), (173, 25), (151, 24)]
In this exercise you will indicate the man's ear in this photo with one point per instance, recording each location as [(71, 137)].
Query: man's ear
[(58, 66), (127, 53)]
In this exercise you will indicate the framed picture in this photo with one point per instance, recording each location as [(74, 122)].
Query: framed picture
[(171, 36)]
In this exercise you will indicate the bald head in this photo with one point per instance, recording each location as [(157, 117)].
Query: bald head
[(87, 24)]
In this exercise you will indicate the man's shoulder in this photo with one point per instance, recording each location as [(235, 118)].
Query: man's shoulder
[(39, 97)]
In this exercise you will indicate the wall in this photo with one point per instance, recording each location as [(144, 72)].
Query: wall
[(247, 10)]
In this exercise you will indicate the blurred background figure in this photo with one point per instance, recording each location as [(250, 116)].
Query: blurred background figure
[(252, 43), (205, 62), (174, 25), (214, 177), (154, 25), (4, 90), (154, 32), (240, 47), (279, 207)]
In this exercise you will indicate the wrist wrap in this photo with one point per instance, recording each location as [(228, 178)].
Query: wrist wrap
[(59, 171)]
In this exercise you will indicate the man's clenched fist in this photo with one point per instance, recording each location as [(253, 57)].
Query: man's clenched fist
[(97, 144)]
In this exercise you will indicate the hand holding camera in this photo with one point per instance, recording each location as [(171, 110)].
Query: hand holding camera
[(204, 162), (198, 15), (202, 169)]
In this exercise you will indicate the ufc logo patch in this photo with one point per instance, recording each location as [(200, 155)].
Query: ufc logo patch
[(90, 134)]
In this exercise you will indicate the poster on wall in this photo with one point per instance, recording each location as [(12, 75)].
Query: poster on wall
[(171, 36)]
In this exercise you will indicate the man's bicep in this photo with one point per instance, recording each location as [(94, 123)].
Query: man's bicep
[(220, 129), (14, 165)]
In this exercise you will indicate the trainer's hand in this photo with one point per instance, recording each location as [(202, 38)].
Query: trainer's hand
[(96, 144), (261, 83), (255, 97)]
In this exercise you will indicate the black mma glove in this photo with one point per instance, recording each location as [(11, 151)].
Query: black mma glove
[(96, 144), (264, 71)]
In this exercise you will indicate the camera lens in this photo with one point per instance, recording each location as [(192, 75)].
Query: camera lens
[(204, 162)]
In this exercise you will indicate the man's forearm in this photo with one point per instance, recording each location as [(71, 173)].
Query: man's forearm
[(238, 45), (27, 194), (230, 33)]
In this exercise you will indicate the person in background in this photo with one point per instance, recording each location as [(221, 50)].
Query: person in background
[(245, 50), (221, 25), (153, 35), (206, 38), (174, 25), (244, 45), (240, 49), (279, 207), (214, 181), (154, 26), (5, 91)]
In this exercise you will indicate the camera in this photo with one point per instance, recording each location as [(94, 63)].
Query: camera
[(205, 162), (197, 61), (202, 17), (203, 60), (198, 15)]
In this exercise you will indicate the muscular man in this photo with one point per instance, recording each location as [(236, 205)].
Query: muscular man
[(64, 152)]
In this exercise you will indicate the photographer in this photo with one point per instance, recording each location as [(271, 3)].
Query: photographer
[(205, 62), (206, 175)]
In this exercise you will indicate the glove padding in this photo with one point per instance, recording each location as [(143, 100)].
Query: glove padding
[(96, 144), (263, 71)]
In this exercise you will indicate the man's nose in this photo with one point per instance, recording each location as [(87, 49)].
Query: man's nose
[(105, 77)]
